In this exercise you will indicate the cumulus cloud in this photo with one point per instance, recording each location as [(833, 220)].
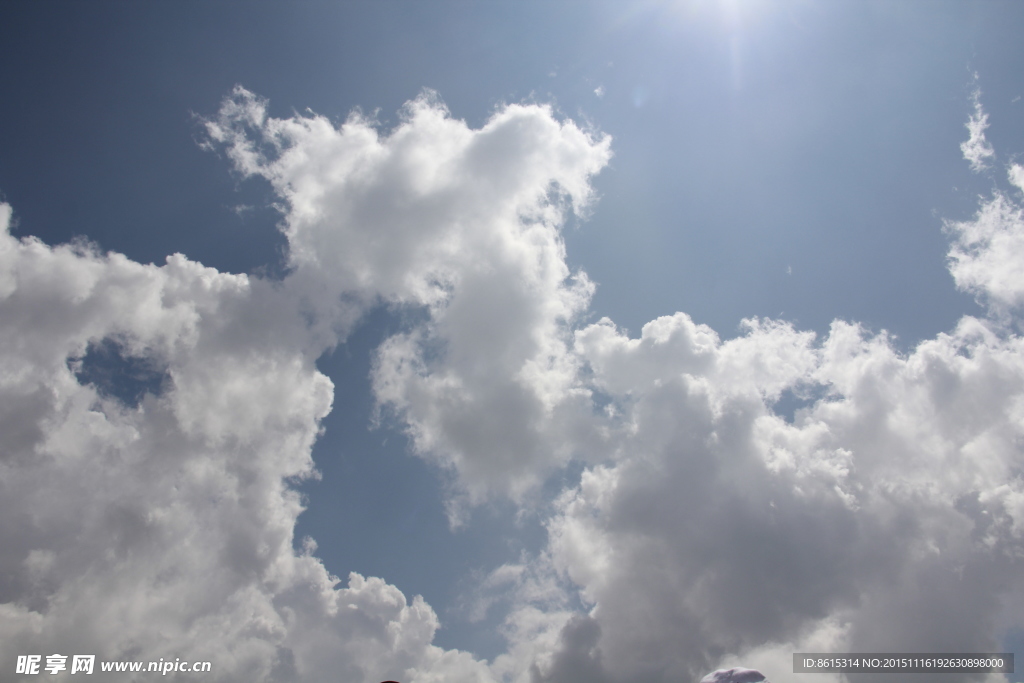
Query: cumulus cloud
[(165, 528), (885, 516), (885, 505), (987, 252), (1016, 176), (161, 524), (705, 532), (465, 224)]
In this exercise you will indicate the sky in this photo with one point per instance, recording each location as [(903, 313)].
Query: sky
[(493, 342)]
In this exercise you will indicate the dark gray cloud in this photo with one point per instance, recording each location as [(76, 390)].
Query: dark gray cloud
[(734, 675)]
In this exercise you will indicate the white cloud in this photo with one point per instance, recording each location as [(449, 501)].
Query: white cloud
[(465, 223), (886, 516), (1016, 174), (976, 149), (723, 528), (985, 259), (706, 531), (165, 530)]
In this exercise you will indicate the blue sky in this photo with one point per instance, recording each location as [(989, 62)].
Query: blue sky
[(496, 260)]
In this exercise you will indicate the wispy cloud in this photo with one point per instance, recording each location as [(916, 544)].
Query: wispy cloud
[(976, 149)]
